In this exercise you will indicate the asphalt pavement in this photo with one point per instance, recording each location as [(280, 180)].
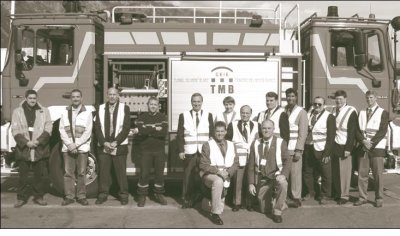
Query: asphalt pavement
[(112, 215)]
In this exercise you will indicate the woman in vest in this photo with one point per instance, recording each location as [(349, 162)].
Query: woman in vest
[(373, 123), (112, 127)]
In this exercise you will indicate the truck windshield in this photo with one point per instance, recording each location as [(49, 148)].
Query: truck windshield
[(54, 46)]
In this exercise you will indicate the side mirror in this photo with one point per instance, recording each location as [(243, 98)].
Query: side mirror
[(376, 83), (18, 39), (359, 49)]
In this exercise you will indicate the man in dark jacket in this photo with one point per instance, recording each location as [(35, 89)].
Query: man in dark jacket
[(31, 127), (112, 127)]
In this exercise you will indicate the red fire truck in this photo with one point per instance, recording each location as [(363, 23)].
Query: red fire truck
[(172, 52)]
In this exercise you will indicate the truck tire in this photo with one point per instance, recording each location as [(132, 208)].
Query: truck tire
[(56, 172)]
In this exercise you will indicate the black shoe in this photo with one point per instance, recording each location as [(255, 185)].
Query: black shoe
[(40, 201), (292, 203), (124, 202), (216, 219), (298, 202), (342, 201), (277, 219), (100, 201), (141, 201), (67, 201), (235, 208), (83, 202), (160, 199), (187, 204), (20, 203)]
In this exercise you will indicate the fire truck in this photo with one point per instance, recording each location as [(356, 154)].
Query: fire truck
[(173, 52)]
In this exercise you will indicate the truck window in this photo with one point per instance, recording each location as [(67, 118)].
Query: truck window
[(54, 47), (27, 50), (374, 54), (342, 48)]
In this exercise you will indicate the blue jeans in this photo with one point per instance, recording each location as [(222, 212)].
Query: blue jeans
[(76, 162)]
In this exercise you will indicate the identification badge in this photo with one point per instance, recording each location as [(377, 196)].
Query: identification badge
[(242, 160), (263, 162), (30, 129)]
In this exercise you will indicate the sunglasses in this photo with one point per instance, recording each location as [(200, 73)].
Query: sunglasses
[(317, 104)]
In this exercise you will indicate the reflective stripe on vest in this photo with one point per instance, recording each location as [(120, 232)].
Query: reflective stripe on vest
[(275, 116), (341, 123), (294, 129), (194, 136), (319, 131), (216, 157), (370, 128), (120, 120), (243, 147)]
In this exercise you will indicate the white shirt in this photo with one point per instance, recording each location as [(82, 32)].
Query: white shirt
[(194, 116)]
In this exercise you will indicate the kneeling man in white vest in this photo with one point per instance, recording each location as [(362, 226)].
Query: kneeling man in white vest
[(269, 167), (218, 163)]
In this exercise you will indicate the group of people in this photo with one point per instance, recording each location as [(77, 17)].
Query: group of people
[(270, 162)]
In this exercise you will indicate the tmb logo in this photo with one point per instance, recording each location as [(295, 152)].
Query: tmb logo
[(221, 80)]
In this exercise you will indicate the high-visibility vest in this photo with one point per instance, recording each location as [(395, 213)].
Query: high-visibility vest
[(194, 136), (258, 156), (222, 117), (370, 128), (243, 146), (319, 131), (80, 126), (393, 137), (216, 157), (294, 128), (341, 123), (120, 120), (275, 116)]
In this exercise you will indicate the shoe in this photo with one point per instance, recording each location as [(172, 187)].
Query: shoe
[(216, 219), (40, 201), (235, 208), (67, 201), (83, 202), (292, 203), (20, 203), (187, 204), (277, 219), (160, 199), (360, 202), (141, 201), (124, 202), (342, 201), (100, 201), (249, 208), (378, 203), (298, 202), (323, 201)]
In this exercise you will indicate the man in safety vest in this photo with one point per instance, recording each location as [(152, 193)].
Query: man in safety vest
[(317, 151), (277, 114), (269, 167), (346, 126), (195, 127), (298, 124), (373, 125), (112, 127), (242, 132), (75, 131), (218, 164)]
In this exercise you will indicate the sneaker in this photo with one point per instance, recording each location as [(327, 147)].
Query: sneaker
[(19, 203), (141, 201), (160, 199), (40, 201), (67, 201)]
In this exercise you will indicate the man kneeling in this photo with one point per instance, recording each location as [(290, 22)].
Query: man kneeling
[(218, 163), (269, 166)]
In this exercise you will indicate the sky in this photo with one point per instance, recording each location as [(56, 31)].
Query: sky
[(381, 9)]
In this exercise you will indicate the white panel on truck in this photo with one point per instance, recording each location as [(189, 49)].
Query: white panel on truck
[(246, 81)]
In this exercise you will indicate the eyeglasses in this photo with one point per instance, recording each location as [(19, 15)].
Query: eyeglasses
[(317, 104)]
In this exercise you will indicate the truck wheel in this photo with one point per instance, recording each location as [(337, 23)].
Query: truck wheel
[(56, 172)]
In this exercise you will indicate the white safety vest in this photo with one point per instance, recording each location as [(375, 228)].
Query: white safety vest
[(275, 116), (370, 128), (120, 120), (194, 136), (243, 147), (341, 123), (278, 156), (80, 126), (319, 131), (223, 117), (393, 140), (294, 128)]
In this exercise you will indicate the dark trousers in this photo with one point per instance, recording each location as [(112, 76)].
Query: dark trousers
[(147, 161), (118, 163), (39, 168), (191, 179), (313, 168)]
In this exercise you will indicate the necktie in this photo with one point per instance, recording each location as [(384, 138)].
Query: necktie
[(369, 113), (266, 148), (245, 131), (222, 147), (111, 120), (268, 115), (197, 119), (337, 111), (313, 120)]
